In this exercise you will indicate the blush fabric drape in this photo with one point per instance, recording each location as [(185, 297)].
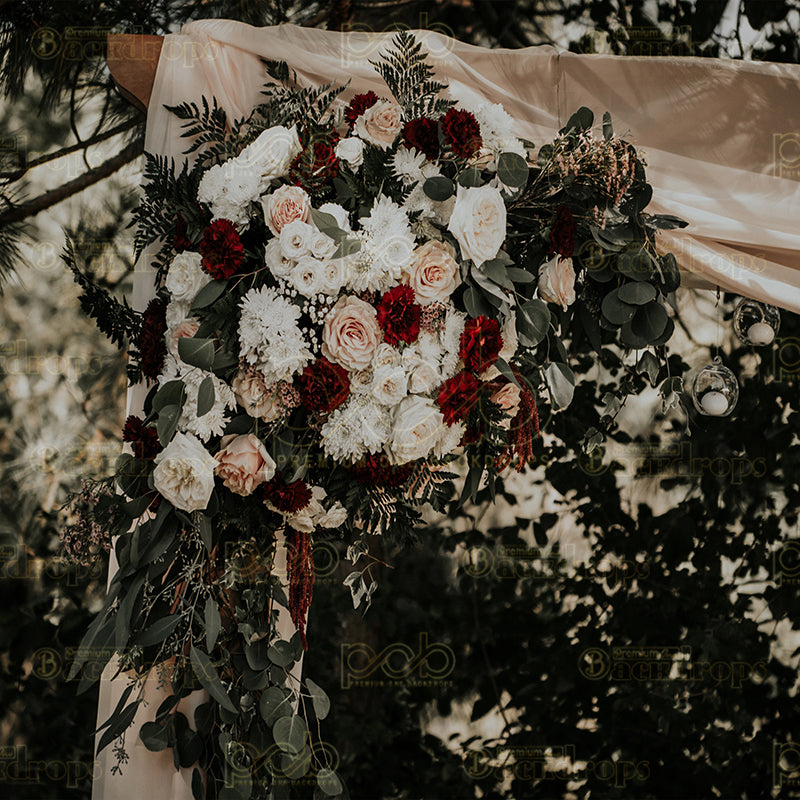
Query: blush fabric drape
[(721, 140)]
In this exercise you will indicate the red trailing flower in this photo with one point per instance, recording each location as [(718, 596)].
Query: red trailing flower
[(399, 315), (151, 344), (480, 344), (287, 497), (300, 566), (462, 132), (144, 441), (376, 470), (324, 386), (422, 133), (458, 396), (524, 427), (221, 249), (358, 105), (562, 234), (180, 241)]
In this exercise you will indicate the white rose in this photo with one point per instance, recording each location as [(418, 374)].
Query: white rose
[(184, 473), (361, 380), (272, 153), (389, 386), (380, 123), (186, 277), (308, 276), (334, 276), (424, 378), (386, 356), (478, 222), (285, 205), (279, 266), (351, 150), (557, 282), (338, 213), (296, 239), (322, 246), (417, 429)]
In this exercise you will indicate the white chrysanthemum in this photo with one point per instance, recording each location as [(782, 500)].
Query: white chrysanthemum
[(378, 265), (385, 219), (356, 428), (308, 276), (417, 200), (451, 340), (450, 439), (279, 266), (496, 129), (407, 164), (228, 189), (269, 336), (212, 423)]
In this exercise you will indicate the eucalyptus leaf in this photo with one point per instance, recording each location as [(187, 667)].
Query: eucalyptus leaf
[(207, 674), (533, 322), (512, 169), (291, 734), (205, 396), (281, 653), (275, 702), (320, 700), (329, 782), (208, 294), (172, 393), (616, 311), (197, 352), (439, 188), (470, 178), (158, 631), (561, 382), (637, 292), (213, 623)]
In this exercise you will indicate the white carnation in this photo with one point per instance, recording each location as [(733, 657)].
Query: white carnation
[(229, 189), (407, 164)]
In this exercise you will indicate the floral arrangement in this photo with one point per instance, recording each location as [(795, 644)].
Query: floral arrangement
[(351, 299)]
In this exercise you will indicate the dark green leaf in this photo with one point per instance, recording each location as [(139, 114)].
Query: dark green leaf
[(167, 424), (439, 188), (158, 631), (561, 383), (322, 705), (291, 734), (209, 679), (329, 782), (280, 653), (155, 736), (637, 292), (205, 396), (512, 169), (208, 294), (275, 702), (172, 393), (197, 352), (615, 310), (213, 623), (608, 128), (471, 178)]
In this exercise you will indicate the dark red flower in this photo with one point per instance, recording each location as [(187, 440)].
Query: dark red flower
[(317, 164), (422, 133), (462, 132), (524, 427), (151, 344), (143, 440), (480, 343), (287, 497), (324, 386), (399, 315), (300, 568), (458, 396), (180, 241), (358, 105), (221, 249), (562, 234), (376, 470)]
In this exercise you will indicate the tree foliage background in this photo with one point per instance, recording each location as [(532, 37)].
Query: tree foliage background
[(658, 541)]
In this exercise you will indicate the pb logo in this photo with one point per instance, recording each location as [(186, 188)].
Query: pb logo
[(786, 563), (786, 358), (786, 155), (785, 764), (397, 662)]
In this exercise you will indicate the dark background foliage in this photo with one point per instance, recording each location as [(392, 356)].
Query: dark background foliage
[(697, 554)]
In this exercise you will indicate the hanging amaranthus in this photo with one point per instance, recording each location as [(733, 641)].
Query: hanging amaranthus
[(300, 567)]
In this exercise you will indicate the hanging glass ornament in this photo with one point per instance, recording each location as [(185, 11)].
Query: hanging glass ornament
[(756, 323), (715, 390)]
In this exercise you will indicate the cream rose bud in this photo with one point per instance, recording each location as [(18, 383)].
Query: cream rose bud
[(389, 386), (254, 396), (351, 150), (339, 213), (334, 276), (424, 378), (308, 276), (279, 266), (351, 334), (322, 246), (184, 329), (244, 463), (386, 356), (417, 429), (380, 123), (508, 399), (433, 274), (184, 473), (557, 282), (285, 205), (478, 222), (185, 277), (296, 238), (272, 152)]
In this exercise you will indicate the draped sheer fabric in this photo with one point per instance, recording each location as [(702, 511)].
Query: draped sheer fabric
[(721, 140)]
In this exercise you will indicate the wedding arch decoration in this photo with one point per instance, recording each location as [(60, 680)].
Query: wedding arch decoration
[(353, 300)]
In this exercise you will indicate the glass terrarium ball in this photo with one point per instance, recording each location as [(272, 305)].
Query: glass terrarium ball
[(715, 390), (756, 323)]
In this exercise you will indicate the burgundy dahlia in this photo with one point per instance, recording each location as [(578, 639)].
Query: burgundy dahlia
[(462, 132), (144, 440), (316, 165), (480, 343), (287, 497), (562, 234), (458, 396), (221, 249), (399, 315), (151, 344), (324, 386), (180, 241), (376, 470), (422, 133), (358, 105)]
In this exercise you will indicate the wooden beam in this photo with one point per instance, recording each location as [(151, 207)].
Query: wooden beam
[(132, 61)]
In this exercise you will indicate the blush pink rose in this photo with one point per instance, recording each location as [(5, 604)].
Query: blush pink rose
[(380, 123), (351, 334), (433, 274), (507, 398), (557, 282), (283, 206), (244, 463)]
